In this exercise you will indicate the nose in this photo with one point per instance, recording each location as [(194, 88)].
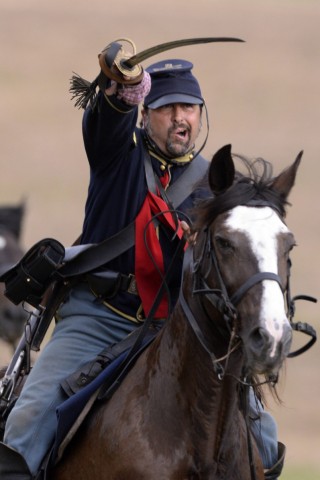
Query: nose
[(260, 340), (262, 343), (177, 112)]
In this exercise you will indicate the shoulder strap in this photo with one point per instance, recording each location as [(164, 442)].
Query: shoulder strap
[(98, 254), (178, 191), (183, 186)]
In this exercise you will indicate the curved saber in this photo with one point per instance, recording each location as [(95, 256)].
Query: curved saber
[(163, 47)]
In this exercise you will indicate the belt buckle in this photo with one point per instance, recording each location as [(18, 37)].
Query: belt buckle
[(132, 287)]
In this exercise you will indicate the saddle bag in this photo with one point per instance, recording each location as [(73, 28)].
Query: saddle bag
[(29, 279)]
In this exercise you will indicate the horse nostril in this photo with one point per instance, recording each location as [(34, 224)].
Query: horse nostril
[(260, 339), (7, 313)]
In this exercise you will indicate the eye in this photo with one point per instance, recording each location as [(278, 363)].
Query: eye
[(165, 108), (187, 106), (223, 243), (290, 244), (289, 251)]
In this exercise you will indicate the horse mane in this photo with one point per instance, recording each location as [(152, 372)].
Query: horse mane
[(251, 187)]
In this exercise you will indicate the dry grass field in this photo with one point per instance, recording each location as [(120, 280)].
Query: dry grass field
[(263, 96)]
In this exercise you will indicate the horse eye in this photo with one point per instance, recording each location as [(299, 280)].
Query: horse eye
[(291, 246), (223, 243)]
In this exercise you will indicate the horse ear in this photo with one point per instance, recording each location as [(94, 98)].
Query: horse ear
[(284, 182), (221, 171)]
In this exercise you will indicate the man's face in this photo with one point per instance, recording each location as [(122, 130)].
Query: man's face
[(174, 127)]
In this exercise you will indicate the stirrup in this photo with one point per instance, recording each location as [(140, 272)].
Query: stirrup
[(274, 472)]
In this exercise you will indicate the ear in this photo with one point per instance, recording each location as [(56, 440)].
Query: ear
[(143, 117), (221, 170), (284, 182)]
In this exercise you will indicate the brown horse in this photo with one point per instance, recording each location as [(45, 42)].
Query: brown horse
[(12, 317), (179, 413)]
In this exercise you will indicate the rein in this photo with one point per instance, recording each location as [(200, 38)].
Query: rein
[(300, 326)]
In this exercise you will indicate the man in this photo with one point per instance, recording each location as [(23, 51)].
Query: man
[(120, 192)]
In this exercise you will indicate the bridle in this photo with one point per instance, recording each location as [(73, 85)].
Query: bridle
[(218, 297), (226, 304)]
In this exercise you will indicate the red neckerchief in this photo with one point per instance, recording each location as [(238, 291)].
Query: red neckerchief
[(148, 278)]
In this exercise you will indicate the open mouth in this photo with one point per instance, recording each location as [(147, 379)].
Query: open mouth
[(181, 133)]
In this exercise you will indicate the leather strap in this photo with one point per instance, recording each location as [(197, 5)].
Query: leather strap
[(99, 254), (183, 186)]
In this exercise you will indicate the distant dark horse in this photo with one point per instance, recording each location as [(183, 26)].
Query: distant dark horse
[(177, 414), (12, 318)]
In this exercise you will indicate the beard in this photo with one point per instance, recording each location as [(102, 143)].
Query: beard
[(176, 145), (180, 144)]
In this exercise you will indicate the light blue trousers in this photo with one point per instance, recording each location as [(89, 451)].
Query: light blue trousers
[(85, 327)]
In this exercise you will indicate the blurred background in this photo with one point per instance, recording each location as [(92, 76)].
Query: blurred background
[(263, 96)]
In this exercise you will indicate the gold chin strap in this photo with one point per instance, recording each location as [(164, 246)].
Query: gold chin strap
[(179, 160)]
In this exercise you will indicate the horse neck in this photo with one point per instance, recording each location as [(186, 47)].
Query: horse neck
[(213, 402)]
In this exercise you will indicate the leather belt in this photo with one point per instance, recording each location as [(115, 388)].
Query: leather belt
[(107, 284)]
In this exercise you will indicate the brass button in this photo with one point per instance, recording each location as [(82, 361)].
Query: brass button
[(162, 167)]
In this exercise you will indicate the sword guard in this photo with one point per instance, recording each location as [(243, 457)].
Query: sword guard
[(112, 62)]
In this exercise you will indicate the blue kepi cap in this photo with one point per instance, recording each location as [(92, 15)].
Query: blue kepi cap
[(172, 82)]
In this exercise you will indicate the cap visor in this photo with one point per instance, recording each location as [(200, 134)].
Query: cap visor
[(175, 98)]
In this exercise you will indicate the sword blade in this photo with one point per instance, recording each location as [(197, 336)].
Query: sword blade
[(163, 47)]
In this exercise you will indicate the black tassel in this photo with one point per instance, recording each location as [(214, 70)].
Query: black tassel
[(83, 91)]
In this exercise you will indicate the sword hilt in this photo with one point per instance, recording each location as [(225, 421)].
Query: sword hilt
[(113, 64)]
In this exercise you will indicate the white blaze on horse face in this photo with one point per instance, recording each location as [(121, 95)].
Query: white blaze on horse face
[(262, 226)]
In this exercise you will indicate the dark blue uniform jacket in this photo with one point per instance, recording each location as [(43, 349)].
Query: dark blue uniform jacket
[(117, 189)]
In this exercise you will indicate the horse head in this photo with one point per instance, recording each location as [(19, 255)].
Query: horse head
[(241, 229)]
